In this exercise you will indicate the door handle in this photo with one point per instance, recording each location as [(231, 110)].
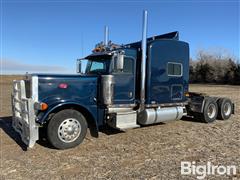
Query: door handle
[(130, 94)]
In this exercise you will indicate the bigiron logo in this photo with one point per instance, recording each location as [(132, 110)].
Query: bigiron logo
[(202, 171)]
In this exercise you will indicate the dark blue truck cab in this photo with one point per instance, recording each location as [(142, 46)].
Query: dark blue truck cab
[(122, 86)]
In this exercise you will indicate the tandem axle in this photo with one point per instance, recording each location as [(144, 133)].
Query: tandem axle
[(123, 86)]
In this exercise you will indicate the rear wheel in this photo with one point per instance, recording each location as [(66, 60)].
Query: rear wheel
[(210, 111), (67, 129), (224, 108)]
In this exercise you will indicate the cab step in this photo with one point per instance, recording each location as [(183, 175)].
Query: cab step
[(128, 126), (124, 120)]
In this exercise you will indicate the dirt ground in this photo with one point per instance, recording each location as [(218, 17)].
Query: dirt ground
[(153, 152)]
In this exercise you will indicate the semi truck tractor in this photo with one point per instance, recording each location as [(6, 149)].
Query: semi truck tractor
[(121, 86)]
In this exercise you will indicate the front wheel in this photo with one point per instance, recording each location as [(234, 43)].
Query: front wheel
[(67, 129)]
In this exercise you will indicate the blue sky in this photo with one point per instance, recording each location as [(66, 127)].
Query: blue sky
[(48, 36)]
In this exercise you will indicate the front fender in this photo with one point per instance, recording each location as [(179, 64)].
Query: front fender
[(42, 117)]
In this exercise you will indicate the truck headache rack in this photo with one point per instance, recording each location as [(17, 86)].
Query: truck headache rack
[(23, 120)]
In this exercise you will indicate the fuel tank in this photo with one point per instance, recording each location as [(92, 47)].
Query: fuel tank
[(156, 115)]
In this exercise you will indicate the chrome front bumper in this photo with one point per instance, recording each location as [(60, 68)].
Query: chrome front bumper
[(23, 120)]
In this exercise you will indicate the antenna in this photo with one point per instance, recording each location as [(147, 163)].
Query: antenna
[(82, 42)]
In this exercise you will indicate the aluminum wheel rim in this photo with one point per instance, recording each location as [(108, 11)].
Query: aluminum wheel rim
[(69, 130), (227, 109), (211, 111)]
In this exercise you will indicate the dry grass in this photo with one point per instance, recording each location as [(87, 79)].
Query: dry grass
[(153, 152)]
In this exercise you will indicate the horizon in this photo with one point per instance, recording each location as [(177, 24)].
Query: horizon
[(48, 36)]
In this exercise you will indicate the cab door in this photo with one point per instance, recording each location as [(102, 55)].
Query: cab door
[(124, 87)]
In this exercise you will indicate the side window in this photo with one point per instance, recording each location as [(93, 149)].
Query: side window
[(174, 69), (128, 67)]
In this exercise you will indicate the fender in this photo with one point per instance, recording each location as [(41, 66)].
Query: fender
[(91, 110)]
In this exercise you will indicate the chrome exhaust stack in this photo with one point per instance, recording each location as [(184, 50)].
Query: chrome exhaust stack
[(106, 35), (143, 60)]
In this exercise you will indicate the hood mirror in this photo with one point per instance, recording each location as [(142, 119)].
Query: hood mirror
[(79, 66)]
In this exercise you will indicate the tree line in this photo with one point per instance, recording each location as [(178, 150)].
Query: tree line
[(219, 68)]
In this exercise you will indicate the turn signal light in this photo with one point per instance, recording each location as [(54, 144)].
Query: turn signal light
[(43, 106), (40, 106), (187, 94)]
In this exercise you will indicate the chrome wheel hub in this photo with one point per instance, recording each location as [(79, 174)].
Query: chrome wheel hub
[(227, 109), (69, 130), (211, 111)]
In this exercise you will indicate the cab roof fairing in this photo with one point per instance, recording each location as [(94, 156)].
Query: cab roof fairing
[(172, 35)]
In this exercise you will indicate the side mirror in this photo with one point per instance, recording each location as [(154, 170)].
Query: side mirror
[(79, 66), (119, 61)]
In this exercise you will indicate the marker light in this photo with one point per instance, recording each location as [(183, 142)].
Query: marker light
[(40, 106), (63, 85), (43, 106)]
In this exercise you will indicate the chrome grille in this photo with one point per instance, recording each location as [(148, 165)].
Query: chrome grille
[(28, 88), (23, 120)]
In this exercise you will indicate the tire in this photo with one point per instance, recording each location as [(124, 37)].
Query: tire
[(225, 108), (67, 129), (210, 111)]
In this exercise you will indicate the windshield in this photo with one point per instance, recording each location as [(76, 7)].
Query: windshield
[(95, 66)]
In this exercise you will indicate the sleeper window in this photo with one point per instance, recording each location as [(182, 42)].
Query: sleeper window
[(174, 69)]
